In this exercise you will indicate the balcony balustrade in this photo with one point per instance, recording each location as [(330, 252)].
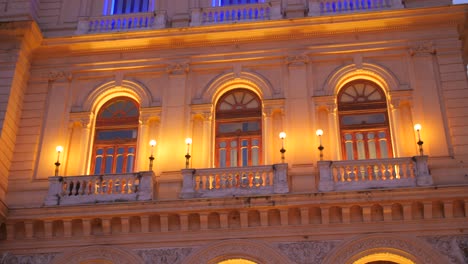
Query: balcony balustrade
[(236, 13), (374, 173), (331, 7), (124, 22), (235, 181), (100, 188)]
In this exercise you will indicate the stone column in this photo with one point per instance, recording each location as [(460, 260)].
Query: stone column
[(448, 209), (79, 147), (264, 217), (29, 229), (267, 143), (48, 229), (223, 219), (244, 219), (164, 222), (407, 213), (325, 215), (184, 222), (366, 214), (427, 205), (346, 215), (204, 221), (87, 227), (284, 217), (124, 220), (106, 226), (387, 210)]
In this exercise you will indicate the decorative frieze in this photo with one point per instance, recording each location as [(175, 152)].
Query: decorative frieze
[(178, 68), (454, 247), (307, 252), (8, 258), (422, 48), (296, 60), (164, 256)]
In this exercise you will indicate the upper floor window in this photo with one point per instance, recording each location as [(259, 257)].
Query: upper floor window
[(129, 6), (364, 126), (238, 129), (235, 2), (115, 138)]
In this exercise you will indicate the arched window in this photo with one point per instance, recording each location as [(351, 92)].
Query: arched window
[(235, 2), (238, 129), (364, 126), (115, 137)]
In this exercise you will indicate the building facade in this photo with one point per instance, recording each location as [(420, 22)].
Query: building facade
[(233, 131)]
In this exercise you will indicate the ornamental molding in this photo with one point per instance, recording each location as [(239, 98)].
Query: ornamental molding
[(414, 249), (96, 253), (164, 256), (454, 247), (82, 118), (307, 252), (252, 250), (8, 258), (53, 76)]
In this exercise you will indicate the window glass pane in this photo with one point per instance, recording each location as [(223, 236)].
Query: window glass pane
[(117, 134), (255, 156), (222, 158), (97, 165), (364, 119), (245, 157), (239, 127), (130, 162), (372, 150), (349, 151), (360, 146), (233, 154), (383, 148)]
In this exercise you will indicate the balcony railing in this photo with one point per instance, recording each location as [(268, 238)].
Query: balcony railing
[(377, 173), (100, 188), (235, 181), (236, 13), (125, 22), (331, 7)]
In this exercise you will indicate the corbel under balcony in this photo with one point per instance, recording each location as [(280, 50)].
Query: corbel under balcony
[(373, 173)]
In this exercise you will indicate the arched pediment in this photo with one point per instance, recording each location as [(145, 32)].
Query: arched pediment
[(97, 97)]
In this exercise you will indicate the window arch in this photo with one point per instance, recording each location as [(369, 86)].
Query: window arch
[(363, 118), (115, 137), (238, 129)]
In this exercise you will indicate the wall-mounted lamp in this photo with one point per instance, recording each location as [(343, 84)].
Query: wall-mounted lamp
[(151, 157), (319, 133), (59, 150), (188, 141), (282, 135), (420, 143)]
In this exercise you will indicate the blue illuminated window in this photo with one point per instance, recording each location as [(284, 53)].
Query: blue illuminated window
[(129, 6), (234, 2)]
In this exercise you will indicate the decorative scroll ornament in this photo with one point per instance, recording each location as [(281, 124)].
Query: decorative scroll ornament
[(308, 252), (164, 256), (454, 247), (59, 75)]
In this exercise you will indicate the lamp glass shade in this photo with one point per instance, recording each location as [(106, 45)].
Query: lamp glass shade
[(59, 148), (152, 143), (417, 127), (319, 132), (188, 141), (282, 135)]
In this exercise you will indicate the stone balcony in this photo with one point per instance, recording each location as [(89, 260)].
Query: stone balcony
[(334, 7), (92, 189), (235, 181), (373, 173)]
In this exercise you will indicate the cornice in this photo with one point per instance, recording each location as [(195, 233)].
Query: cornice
[(244, 33)]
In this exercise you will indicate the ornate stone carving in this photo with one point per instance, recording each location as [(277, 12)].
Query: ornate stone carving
[(297, 60), (307, 252), (164, 256), (454, 247), (422, 48), (8, 258), (59, 75), (178, 68)]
